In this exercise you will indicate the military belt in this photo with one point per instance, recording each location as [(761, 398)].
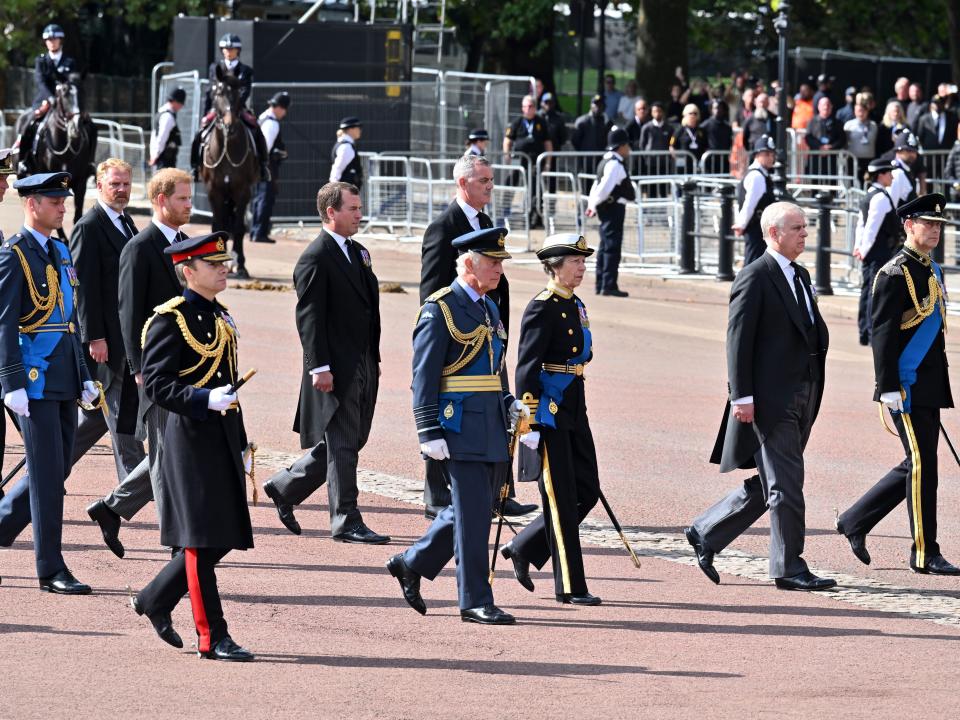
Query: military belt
[(471, 383), (53, 327), (566, 369)]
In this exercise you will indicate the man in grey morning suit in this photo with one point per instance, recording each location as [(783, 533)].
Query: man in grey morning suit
[(776, 352)]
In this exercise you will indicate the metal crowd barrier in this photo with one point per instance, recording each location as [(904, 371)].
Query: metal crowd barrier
[(127, 143)]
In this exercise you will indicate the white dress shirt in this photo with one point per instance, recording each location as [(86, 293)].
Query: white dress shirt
[(165, 125), (342, 244), (114, 216), (345, 155), (866, 234), (788, 273), (270, 127), (473, 215), (754, 185), (900, 188), (168, 232), (613, 174)]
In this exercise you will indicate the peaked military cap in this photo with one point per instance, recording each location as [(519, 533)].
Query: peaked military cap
[(905, 141), (564, 244), (48, 184), (280, 99), (879, 166), (925, 207), (212, 247), (616, 138), (488, 241), (478, 134), (7, 166), (764, 143), (350, 122)]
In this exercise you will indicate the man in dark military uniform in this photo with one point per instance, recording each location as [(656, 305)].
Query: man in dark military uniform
[(347, 166), (524, 141), (910, 360), (878, 234), (206, 513), (609, 196), (555, 345), (42, 372), (48, 69), (230, 46), (754, 194), (461, 405)]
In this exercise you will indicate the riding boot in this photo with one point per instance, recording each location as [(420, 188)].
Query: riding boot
[(195, 156), (262, 155), (25, 165)]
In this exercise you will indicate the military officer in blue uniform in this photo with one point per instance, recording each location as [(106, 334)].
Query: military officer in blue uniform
[(462, 407), (42, 372)]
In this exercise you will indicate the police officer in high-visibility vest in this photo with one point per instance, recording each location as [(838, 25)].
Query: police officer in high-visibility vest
[(42, 371), (910, 359), (754, 194)]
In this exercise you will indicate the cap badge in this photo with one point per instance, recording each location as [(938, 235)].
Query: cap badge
[(936, 208), (581, 243), (220, 245), (500, 241)]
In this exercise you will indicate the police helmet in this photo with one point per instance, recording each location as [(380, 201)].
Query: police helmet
[(53, 31), (230, 41)]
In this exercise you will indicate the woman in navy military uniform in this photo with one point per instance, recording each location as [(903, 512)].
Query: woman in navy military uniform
[(555, 346), (189, 368)]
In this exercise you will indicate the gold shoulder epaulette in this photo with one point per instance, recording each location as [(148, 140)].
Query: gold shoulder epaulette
[(894, 265), (439, 294), (544, 295), (168, 307)]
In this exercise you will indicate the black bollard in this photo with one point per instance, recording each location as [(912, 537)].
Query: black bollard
[(725, 241), (823, 284), (688, 242)]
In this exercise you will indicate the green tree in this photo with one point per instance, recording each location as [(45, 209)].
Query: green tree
[(511, 37)]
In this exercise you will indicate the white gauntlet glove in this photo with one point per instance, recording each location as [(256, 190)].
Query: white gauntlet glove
[(531, 439), (435, 449), (219, 399), (90, 392), (516, 409), (18, 402), (893, 401)]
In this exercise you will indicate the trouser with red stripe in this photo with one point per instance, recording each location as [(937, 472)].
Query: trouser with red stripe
[(191, 570)]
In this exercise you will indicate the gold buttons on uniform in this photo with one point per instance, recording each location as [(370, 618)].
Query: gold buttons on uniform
[(563, 315), (209, 334), (200, 317), (570, 331), (219, 374), (574, 348)]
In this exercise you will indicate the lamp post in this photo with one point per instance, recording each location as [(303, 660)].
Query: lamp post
[(781, 24)]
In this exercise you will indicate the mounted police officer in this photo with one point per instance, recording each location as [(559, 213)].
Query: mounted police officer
[(555, 345), (461, 406), (49, 69), (230, 46), (878, 234), (609, 197), (909, 354), (754, 194), (192, 376), (165, 139), (347, 166), (42, 371), (262, 205)]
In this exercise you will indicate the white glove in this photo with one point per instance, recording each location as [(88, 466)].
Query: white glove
[(18, 402), (518, 408), (435, 449), (247, 459), (90, 392), (219, 399), (893, 401), (531, 439)]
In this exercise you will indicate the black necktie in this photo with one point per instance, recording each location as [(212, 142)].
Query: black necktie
[(801, 295), (52, 253), (179, 237), (128, 229)]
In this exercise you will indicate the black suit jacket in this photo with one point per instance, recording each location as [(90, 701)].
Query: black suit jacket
[(768, 357), (338, 319), (95, 244), (438, 259), (927, 134)]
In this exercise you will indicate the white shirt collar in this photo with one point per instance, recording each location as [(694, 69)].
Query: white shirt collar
[(40, 237), (55, 56), (231, 64), (168, 232), (111, 213), (347, 138), (341, 242), (781, 260), (473, 294), (468, 210)]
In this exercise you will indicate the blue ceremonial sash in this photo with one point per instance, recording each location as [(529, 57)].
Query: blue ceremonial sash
[(37, 349), (553, 385), (451, 403), (919, 345)]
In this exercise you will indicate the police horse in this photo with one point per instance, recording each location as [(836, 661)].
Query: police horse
[(228, 164), (66, 140)]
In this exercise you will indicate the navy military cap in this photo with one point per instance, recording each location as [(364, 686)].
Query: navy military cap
[(925, 207), (350, 122), (48, 184), (879, 166), (280, 99), (478, 134), (488, 241), (906, 141), (212, 247), (178, 95), (764, 143), (7, 166), (616, 138), (564, 244)]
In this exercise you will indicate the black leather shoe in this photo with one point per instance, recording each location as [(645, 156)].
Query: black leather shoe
[(937, 565), (430, 512), (617, 292), (227, 649), (409, 583), (512, 508), (858, 543), (804, 581), (487, 615), (284, 510), (109, 523), (264, 239), (363, 535), (63, 583), (521, 567), (584, 599), (240, 273), (161, 623), (704, 555)]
